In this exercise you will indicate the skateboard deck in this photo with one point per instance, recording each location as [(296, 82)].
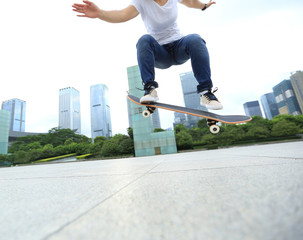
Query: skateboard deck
[(212, 118)]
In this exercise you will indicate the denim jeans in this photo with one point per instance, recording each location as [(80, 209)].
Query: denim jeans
[(150, 55)]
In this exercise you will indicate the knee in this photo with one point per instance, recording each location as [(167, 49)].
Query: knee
[(196, 39), (144, 41)]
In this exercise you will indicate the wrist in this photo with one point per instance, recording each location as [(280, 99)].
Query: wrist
[(205, 6)]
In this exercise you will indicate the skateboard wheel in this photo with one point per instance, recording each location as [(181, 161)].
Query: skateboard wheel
[(214, 129), (146, 113)]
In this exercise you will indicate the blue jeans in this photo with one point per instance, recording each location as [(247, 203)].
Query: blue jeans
[(150, 55)]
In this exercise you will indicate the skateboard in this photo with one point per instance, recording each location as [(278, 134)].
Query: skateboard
[(212, 118)]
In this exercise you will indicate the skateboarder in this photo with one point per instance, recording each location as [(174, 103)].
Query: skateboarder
[(164, 45)]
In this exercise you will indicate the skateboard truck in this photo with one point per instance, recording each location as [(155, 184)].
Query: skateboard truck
[(213, 127), (149, 110)]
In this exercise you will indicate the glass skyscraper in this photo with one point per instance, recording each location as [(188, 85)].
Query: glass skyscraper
[(297, 84), (17, 109), (286, 99), (252, 109), (69, 109), (146, 141), (100, 111), (4, 130), (269, 105)]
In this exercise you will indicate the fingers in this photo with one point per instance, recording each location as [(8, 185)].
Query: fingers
[(87, 2), (79, 11)]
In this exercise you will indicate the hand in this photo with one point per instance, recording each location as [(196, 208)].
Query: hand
[(88, 9), (210, 3)]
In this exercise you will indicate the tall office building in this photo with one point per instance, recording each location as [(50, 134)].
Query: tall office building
[(269, 105), (100, 111), (155, 117), (191, 97), (286, 99), (297, 84), (69, 109), (17, 109), (146, 141), (4, 130), (252, 109)]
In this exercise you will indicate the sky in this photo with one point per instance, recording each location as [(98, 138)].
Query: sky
[(253, 45)]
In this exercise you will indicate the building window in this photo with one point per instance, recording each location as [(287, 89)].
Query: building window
[(289, 93)]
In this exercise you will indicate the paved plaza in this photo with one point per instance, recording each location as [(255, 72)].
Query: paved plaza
[(251, 192)]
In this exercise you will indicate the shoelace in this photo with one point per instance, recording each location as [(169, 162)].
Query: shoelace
[(210, 95)]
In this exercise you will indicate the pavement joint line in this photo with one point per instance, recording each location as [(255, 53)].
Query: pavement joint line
[(98, 204), (258, 156), (75, 176), (219, 168)]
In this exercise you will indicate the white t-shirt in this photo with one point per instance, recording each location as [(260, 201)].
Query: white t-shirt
[(160, 21)]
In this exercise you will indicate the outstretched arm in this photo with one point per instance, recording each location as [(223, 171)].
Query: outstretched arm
[(91, 10), (197, 4)]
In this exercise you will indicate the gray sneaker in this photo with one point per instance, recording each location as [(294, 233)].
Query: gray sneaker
[(209, 100), (152, 96)]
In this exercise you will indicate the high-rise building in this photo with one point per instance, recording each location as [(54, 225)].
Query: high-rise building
[(146, 141), (155, 117), (17, 109), (69, 109), (100, 111), (269, 105), (297, 84), (252, 109), (191, 97), (4, 130), (286, 99)]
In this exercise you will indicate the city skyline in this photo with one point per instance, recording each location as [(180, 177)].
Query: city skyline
[(262, 49), (184, 76)]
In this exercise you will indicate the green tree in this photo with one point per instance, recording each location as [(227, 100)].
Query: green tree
[(208, 139), (284, 128), (184, 140), (258, 132), (159, 130), (130, 133), (125, 143), (110, 148), (21, 157), (196, 134), (100, 139), (180, 128)]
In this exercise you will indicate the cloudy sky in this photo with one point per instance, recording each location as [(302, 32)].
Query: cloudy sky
[(253, 45)]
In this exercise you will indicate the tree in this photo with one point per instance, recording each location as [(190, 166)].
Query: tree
[(100, 139), (285, 128), (159, 130), (258, 132), (110, 148), (184, 140), (125, 143), (130, 133)]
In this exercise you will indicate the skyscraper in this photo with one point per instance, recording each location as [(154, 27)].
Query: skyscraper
[(286, 99), (252, 108), (69, 109), (146, 141), (100, 111), (269, 105), (4, 130), (191, 97), (297, 84), (17, 109)]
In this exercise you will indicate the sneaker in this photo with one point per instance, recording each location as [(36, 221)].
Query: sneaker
[(209, 100), (152, 96)]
